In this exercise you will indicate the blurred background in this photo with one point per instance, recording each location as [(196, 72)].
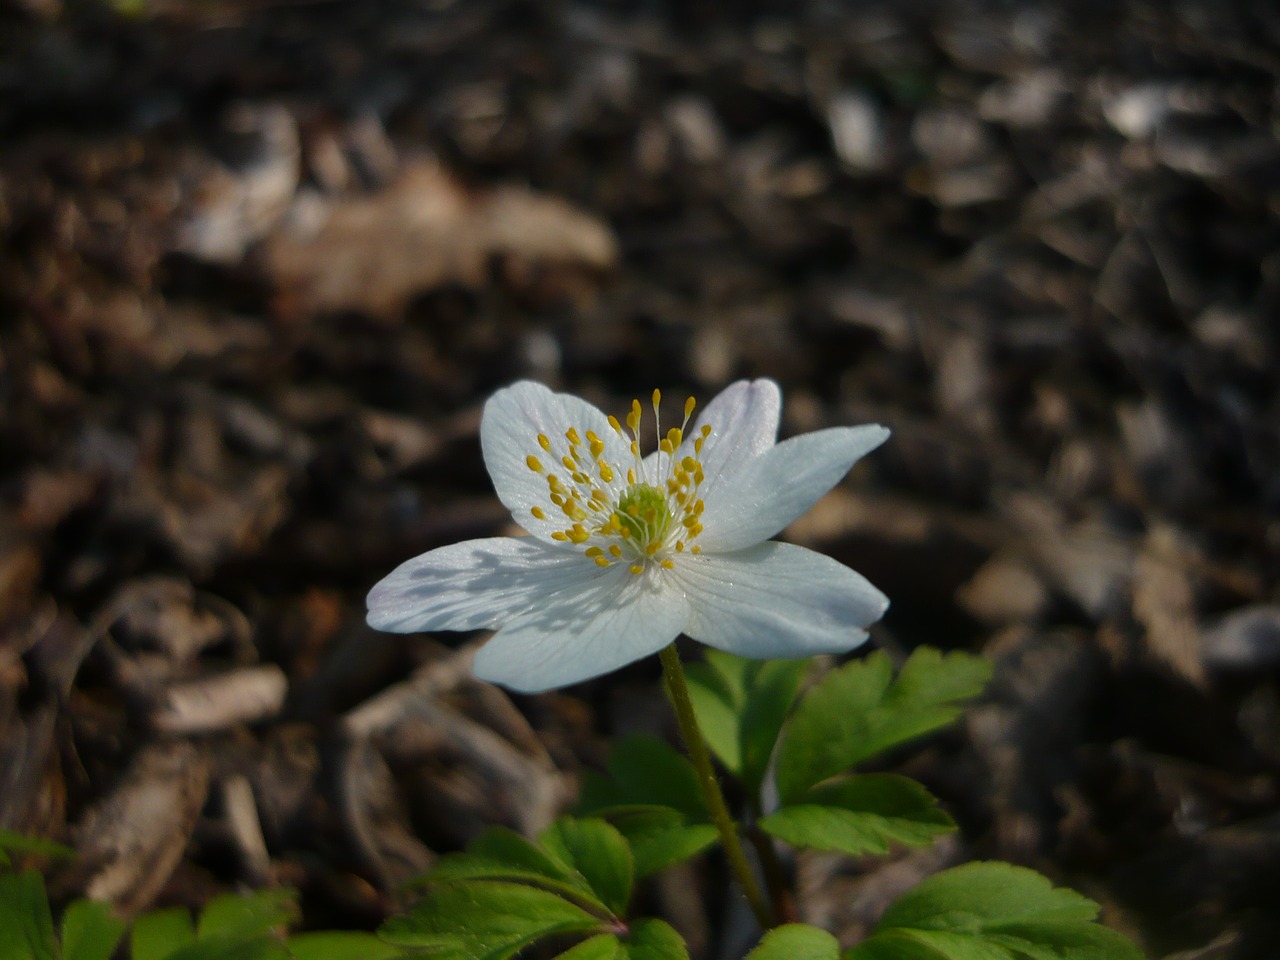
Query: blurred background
[(261, 263)]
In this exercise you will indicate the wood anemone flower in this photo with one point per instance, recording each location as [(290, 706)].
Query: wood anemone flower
[(628, 551)]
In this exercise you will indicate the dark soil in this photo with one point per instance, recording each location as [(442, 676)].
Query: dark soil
[(260, 264)]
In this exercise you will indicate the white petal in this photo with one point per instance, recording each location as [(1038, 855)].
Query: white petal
[(582, 633), (744, 424), (513, 418), (771, 490), (777, 600), (475, 584)]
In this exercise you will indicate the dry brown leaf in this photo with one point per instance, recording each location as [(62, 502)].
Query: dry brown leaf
[(374, 253)]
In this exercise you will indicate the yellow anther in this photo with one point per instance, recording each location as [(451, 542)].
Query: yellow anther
[(697, 444), (633, 418), (667, 447), (667, 565), (652, 548), (606, 473), (697, 549), (699, 476), (592, 436), (559, 535), (593, 552), (543, 442), (633, 511), (635, 448), (602, 562), (631, 475), (539, 513), (597, 448), (675, 436), (698, 507), (688, 408), (533, 463), (706, 430), (579, 534), (689, 464), (613, 422), (679, 546), (637, 568), (657, 397), (690, 522), (615, 550), (568, 463), (572, 436)]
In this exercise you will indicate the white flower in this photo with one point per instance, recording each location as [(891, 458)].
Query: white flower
[(628, 552)]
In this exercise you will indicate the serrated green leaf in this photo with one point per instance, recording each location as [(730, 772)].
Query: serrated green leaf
[(11, 843), (861, 814), (604, 946), (983, 896), (340, 945), (89, 931), (1078, 941), (26, 924), (859, 710), (650, 939), (660, 837), (929, 945), (232, 948), (236, 916), (485, 920), (796, 941), (502, 854), (992, 911), (596, 851), (159, 933), (741, 705), (644, 771)]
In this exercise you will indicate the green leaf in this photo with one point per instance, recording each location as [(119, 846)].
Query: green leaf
[(159, 933), (26, 925), (981, 896), (232, 948), (502, 854), (859, 710), (992, 911), (11, 842), (604, 946), (644, 771), (862, 814), (90, 931), (485, 920), (234, 916), (340, 945), (660, 836), (741, 705), (596, 851), (650, 939), (796, 941)]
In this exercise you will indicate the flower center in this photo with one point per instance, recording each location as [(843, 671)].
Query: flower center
[(645, 513)]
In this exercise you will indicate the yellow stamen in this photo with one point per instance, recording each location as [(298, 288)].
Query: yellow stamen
[(637, 568), (533, 463), (539, 513)]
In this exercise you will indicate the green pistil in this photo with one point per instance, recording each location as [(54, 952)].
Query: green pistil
[(643, 511)]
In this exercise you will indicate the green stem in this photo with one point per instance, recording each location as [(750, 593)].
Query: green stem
[(697, 747)]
